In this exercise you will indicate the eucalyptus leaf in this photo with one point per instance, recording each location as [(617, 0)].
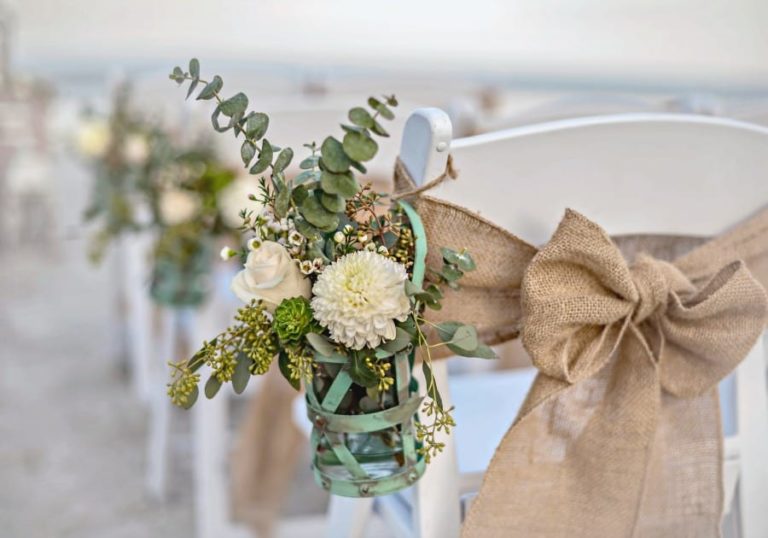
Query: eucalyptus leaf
[(309, 163), (265, 158), (345, 185), (256, 126), (465, 338), (299, 194), (358, 166), (378, 129), (333, 202), (283, 160), (282, 202), (451, 273), (194, 67), (320, 344), (381, 108), (247, 152), (430, 384), (282, 363), (192, 87), (242, 374), (360, 117), (234, 105), (317, 215), (212, 386), (462, 259), (307, 175), (334, 157), (401, 341), (305, 228), (211, 89), (447, 329), (177, 74), (360, 146), (215, 121), (484, 352)]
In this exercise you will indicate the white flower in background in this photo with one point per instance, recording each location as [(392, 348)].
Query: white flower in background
[(295, 238), (227, 253), (359, 297), (93, 138), (177, 206), (271, 275), (306, 267), (234, 198), (338, 237), (136, 149)]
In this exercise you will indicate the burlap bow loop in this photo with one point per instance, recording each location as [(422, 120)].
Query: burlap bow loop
[(581, 299)]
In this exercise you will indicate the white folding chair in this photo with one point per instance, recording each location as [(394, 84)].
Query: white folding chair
[(612, 169)]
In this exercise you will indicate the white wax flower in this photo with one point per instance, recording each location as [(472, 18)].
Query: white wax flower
[(227, 253), (136, 149), (234, 198), (93, 138), (178, 206), (271, 275), (359, 297)]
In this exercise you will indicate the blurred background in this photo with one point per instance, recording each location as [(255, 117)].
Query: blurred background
[(74, 428)]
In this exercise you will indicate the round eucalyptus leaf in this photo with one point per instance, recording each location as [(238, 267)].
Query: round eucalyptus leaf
[(317, 215), (360, 147), (332, 202), (256, 126), (334, 157), (345, 185), (360, 117)]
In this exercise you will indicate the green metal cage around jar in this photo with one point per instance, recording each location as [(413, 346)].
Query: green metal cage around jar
[(375, 453)]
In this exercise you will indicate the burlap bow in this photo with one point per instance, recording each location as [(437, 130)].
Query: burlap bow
[(620, 433)]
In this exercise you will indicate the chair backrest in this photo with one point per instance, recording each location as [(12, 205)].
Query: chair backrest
[(638, 173)]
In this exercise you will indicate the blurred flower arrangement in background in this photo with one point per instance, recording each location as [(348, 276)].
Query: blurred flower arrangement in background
[(148, 180), (334, 293)]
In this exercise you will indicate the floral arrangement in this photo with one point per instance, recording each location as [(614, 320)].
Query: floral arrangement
[(331, 286), (147, 179)]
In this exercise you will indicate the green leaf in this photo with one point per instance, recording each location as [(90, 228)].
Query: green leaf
[(235, 105), (314, 212), (345, 185), (391, 100), (283, 160), (305, 228), (358, 166), (299, 194), (256, 125), (360, 373), (307, 175), (484, 352), (282, 202), (192, 87), (465, 338), (462, 259), (409, 326), (334, 157), (333, 202), (360, 117), (360, 147), (247, 152), (400, 342), (379, 130), (192, 398), (215, 122), (211, 89), (264, 160), (451, 273), (447, 329), (381, 108), (430, 385), (320, 344), (242, 374), (177, 74), (212, 386), (194, 67), (282, 363), (309, 162)]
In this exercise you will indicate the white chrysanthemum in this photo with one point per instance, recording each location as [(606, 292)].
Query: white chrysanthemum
[(359, 297)]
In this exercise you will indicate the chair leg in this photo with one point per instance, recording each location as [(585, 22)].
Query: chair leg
[(752, 405), (139, 315), (160, 407), (347, 517), (436, 510)]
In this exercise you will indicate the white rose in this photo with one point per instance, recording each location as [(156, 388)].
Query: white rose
[(271, 276), (178, 206), (93, 138), (234, 198), (136, 149)]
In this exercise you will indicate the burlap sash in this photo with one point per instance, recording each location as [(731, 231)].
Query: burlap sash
[(620, 433)]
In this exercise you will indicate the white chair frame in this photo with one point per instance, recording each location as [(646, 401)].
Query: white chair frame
[(611, 168)]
